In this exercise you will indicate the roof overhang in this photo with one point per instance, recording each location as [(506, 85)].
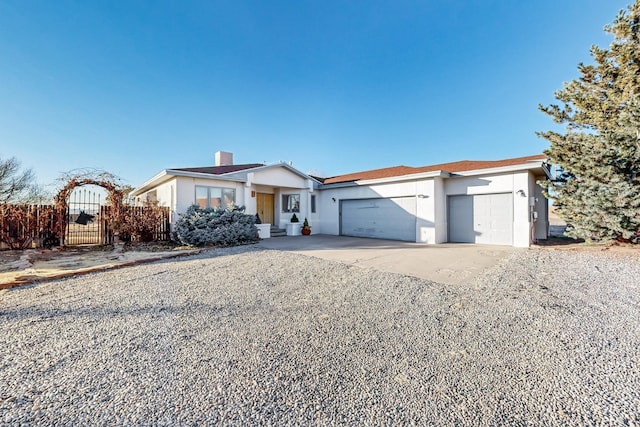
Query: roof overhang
[(238, 176), (535, 166), (401, 178), (272, 166), (168, 174)]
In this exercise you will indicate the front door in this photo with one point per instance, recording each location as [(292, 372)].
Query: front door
[(264, 205)]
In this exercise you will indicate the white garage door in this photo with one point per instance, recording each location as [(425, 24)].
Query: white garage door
[(393, 218), (485, 218)]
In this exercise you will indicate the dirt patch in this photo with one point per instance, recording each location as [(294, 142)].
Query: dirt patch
[(568, 244), (33, 265)]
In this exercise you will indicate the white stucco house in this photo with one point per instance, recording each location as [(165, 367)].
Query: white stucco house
[(489, 202)]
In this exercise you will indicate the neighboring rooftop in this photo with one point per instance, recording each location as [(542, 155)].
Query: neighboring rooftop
[(453, 167)]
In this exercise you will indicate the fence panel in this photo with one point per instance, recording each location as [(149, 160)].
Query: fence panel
[(26, 226), (140, 220)]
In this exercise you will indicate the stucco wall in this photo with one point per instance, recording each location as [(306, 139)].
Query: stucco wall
[(441, 221), (501, 183), (284, 218), (279, 177), (186, 191), (329, 218), (431, 202), (541, 207), (165, 195)]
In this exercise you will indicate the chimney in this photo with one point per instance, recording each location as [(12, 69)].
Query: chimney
[(223, 158)]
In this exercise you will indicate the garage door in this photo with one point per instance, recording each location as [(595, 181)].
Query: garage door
[(393, 218), (485, 218)]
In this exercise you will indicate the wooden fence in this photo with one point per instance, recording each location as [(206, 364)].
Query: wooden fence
[(23, 226), (146, 224), (26, 226)]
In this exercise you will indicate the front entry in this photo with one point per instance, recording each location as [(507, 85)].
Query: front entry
[(264, 207)]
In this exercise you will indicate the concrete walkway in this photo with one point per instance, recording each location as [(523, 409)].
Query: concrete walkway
[(449, 263)]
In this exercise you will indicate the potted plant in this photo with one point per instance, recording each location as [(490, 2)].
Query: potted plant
[(293, 228), (306, 228)]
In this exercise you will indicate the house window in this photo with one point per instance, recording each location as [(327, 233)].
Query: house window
[(313, 203), (215, 197), (290, 203)]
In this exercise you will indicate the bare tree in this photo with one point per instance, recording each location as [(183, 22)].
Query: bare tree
[(15, 184), (36, 194)]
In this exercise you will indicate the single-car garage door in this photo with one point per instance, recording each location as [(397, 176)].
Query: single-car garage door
[(485, 218), (392, 218)]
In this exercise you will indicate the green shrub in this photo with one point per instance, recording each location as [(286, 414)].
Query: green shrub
[(221, 227)]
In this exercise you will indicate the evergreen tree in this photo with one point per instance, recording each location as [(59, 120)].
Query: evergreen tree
[(598, 188)]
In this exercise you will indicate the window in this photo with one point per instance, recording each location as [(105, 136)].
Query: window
[(202, 197), (313, 203), (215, 197), (290, 203)]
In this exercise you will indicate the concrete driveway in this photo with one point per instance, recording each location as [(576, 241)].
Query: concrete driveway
[(449, 263)]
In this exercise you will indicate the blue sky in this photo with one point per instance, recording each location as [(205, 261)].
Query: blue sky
[(134, 87)]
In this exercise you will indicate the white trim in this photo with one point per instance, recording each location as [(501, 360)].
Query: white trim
[(532, 164), (265, 167), (501, 169), (410, 177), (245, 175), (153, 182), (167, 174)]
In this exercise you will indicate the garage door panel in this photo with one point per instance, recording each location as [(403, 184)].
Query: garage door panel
[(485, 218), (392, 218), (461, 219)]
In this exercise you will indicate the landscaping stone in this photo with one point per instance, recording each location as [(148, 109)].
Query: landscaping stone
[(243, 336)]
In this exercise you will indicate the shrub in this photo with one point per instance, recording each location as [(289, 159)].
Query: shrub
[(21, 225), (223, 227), (141, 223)]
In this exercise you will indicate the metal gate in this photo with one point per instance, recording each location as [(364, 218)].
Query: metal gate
[(84, 222)]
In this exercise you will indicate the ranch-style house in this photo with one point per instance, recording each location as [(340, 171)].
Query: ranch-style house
[(489, 202)]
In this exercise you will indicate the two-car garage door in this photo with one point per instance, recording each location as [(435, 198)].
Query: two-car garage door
[(389, 218), (485, 218)]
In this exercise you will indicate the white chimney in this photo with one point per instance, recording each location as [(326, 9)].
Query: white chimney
[(223, 158)]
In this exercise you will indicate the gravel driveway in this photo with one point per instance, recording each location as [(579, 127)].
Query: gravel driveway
[(247, 336)]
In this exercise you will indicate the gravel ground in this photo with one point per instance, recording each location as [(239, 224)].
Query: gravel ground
[(244, 336)]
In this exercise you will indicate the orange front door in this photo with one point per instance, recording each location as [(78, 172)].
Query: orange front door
[(264, 205)]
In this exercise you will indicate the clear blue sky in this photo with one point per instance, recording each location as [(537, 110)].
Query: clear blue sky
[(134, 87)]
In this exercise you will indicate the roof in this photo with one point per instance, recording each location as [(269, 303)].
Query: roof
[(453, 167), (236, 173), (220, 170)]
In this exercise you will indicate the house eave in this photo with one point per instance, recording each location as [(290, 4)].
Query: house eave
[(167, 174), (158, 179), (400, 178), (272, 166), (202, 175), (534, 166)]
